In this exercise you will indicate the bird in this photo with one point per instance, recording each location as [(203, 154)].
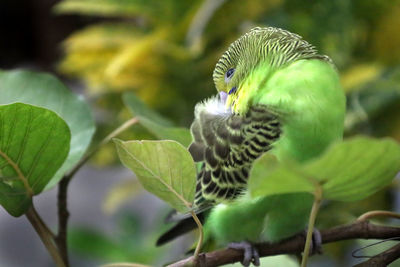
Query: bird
[(277, 95)]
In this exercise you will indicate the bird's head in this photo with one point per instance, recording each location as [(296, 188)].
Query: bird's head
[(250, 61)]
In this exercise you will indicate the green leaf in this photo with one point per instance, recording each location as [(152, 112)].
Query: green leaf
[(165, 168), (348, 171), (34, 143), (46, 91), (155, 123)]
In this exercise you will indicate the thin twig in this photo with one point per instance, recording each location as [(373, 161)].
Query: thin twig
[(378, 213), (295, 245), (44, 235), (199, 22), (382, 259), (107, 139)]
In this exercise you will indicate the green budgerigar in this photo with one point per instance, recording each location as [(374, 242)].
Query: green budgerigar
[(276, 95)]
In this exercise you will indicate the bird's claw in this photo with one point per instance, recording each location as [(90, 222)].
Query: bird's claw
[(316, 244), (250, 253)]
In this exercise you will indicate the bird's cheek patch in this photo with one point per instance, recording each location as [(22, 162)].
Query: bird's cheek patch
[(232, 91)]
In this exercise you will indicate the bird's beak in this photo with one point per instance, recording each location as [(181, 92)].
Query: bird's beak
[(225, 100), (223, 96)]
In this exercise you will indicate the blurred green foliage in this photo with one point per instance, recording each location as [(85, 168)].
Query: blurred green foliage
[(128, 242), (165, 52)]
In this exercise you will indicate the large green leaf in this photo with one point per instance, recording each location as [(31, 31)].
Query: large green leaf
[(34, 143), (347, 171), (46, 91), (165, 168), (156, 124)]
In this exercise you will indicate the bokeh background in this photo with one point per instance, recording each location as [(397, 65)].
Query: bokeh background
[(164, 52)]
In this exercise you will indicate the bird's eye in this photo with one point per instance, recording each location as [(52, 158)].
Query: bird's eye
[(229, 74)]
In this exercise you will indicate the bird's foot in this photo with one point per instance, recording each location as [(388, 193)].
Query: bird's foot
[(250, 253), (316, 242)]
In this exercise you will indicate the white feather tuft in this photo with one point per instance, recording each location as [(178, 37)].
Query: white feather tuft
[(213, 105)]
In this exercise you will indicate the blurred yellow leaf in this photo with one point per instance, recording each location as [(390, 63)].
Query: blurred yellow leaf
[(359, 75), (386, 38), (119, 194)]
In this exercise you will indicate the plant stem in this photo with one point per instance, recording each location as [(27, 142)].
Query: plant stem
[(44, 235), (107, 139), (63, 214), (201, 234), (199, 23), (378, 213), (311, 222)]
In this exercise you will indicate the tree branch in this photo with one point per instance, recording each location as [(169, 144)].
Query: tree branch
[(295, 245)]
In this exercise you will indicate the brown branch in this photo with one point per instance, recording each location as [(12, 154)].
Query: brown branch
[(295, 245), (383, 259)]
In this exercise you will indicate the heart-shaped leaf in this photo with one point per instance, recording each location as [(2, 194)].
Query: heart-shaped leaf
[(165, 168), (34, 143), (46, 91), (350, 170)]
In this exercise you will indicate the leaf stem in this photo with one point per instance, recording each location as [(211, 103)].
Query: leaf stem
[(378, 213), (311, 223), (44, 235), (201, 234)]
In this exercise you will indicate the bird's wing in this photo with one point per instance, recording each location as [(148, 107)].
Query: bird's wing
[(227, 145)]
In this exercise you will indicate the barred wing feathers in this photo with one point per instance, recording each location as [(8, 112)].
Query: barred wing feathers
[(227, 144)]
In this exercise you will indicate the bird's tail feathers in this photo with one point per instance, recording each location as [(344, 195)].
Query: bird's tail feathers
[(182, 227)]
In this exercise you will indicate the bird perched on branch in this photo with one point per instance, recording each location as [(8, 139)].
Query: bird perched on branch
[(276, 95)]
